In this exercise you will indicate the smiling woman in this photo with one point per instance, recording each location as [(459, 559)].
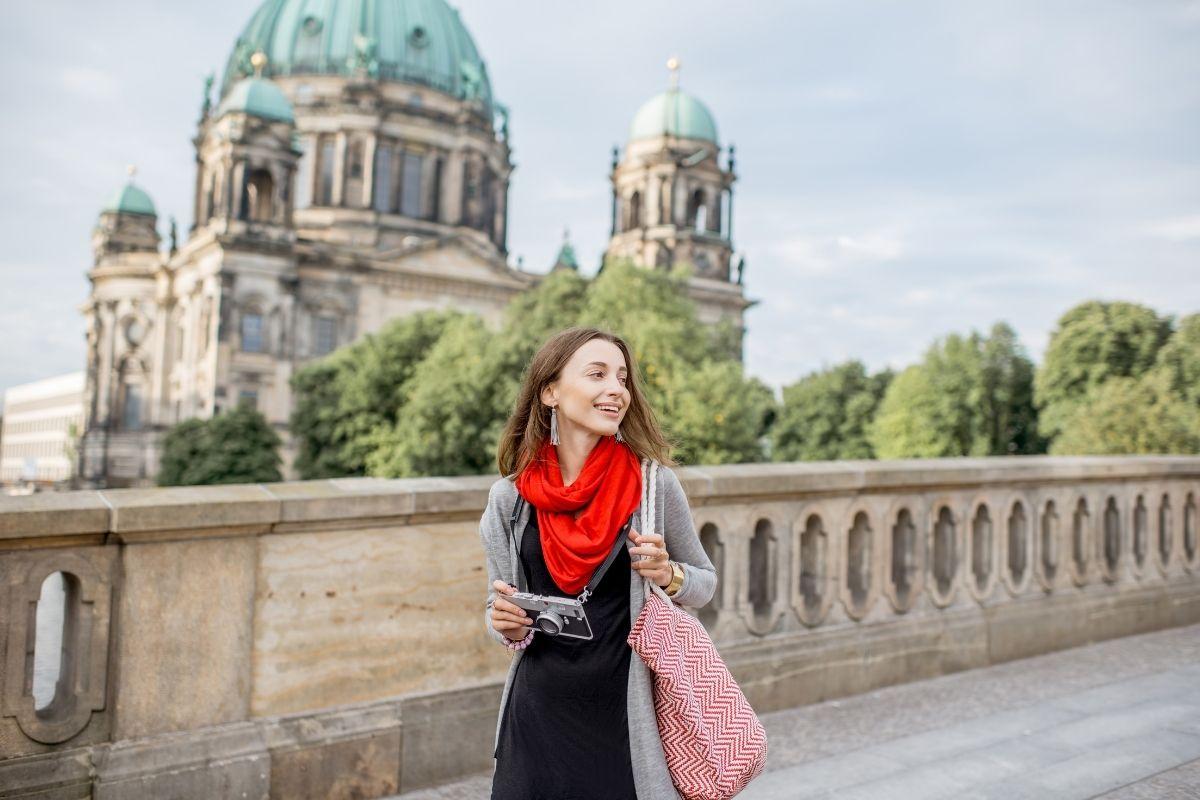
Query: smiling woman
[(577, 716)]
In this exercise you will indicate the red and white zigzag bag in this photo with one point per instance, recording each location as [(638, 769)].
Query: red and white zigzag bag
[(712, 738)]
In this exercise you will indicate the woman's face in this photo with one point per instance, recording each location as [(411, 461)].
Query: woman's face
[(594, 376)]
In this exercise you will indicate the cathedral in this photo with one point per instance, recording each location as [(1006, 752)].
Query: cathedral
[(352, 167)]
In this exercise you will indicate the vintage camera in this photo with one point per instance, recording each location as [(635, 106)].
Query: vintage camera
[(555, 616)]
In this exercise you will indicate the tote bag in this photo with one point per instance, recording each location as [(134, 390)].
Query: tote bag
[(713, 740)]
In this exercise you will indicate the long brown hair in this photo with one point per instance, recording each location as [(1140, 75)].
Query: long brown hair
[(528, 425)]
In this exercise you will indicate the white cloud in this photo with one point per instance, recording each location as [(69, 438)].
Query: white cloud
[(1175, 229), (89, 82)]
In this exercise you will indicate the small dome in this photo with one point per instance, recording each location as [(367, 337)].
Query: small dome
[(130, 199), (411, 41), (258, 97), (673, 113)]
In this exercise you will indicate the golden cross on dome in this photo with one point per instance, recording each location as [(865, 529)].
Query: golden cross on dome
[(258, 61)]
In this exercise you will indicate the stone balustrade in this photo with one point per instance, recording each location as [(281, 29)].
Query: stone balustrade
[(324, 638)]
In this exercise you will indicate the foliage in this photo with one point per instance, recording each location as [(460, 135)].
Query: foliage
[(344, 400), (825, 414), (1126, 415), (236, 446), (1179, 359), (451, 409), (969, 396), (1093, 342)]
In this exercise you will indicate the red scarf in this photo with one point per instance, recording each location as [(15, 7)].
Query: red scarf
[(609, 485)]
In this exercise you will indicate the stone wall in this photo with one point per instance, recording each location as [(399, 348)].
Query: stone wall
[(325, 638)]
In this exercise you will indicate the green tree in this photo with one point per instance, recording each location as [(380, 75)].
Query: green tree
[(676, 354), (969, 396), (1008, 395), (236, 446), (717, 414), (453, 407), (1179, 358), (447, 424), (345, 400), (1093, 342), (825, 414), (1127, 415)]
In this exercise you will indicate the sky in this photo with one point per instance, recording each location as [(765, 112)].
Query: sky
[(905, 169)]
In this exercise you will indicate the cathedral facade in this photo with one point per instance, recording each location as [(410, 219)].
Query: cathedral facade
[(353, 168)]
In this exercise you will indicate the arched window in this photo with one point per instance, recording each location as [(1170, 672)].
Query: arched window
[(325, 172), (258, 196), (324, 334), (410, 186), (635, 210), (131, 395), (252, 332), (697, 212), (352, 194), (383, 177)]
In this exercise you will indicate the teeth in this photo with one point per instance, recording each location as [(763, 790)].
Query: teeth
[(608, 408)]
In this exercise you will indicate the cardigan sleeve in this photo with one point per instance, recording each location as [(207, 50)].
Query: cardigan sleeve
[(683, 545), (494, 535)]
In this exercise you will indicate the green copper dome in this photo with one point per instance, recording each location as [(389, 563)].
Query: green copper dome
[(130, 199), (673, 113), (258, 97), (412, 41)]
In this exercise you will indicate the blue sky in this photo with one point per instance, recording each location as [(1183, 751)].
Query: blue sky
[(905, 169)]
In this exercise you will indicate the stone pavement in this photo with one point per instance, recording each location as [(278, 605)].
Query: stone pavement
[(1118, 720)]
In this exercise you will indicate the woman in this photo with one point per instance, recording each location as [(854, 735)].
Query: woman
[(577, 715)]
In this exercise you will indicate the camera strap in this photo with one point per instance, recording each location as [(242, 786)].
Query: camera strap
[(600, 570)]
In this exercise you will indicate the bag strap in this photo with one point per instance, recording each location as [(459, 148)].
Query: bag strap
[(649, 497), (600, 570)]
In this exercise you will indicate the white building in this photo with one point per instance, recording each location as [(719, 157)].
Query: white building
[(43, 421)]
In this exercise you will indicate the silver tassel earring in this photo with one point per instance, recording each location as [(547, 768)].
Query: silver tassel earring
[(619, 437), (553, 426)]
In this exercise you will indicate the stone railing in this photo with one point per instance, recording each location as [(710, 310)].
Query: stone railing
[(324, 638)]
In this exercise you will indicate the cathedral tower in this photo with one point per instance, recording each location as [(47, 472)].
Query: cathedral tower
[(672, 199)]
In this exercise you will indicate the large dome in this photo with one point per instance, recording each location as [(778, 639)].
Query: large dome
[(413, 41), (673, 113)]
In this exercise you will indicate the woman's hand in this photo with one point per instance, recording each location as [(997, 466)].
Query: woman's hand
[(657, 564), (509, 618)]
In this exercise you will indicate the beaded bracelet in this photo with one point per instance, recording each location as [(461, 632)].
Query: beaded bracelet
[(520, 644)]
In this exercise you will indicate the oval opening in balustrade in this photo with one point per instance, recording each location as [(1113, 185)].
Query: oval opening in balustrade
[(1189, 528), (1049, 541), (981, 546), (945, 558), (52, 678), (904, 557), (1112, 534), (858, 562), (1018, 528), (813, 543), (1139, 532), (710, 540), (1165, 524), (1080, 524), (762, 570)]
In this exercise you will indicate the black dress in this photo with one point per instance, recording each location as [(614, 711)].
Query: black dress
[(565, 730)]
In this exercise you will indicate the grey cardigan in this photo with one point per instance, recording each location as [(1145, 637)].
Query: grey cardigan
[(674, 521)]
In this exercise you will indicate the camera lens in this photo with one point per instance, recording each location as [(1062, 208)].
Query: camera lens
[(549, 623)]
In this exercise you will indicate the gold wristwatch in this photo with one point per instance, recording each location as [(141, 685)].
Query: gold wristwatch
[(676, 579)]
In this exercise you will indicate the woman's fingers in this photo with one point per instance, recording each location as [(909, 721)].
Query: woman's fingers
[(512, 620), (508, 608)]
